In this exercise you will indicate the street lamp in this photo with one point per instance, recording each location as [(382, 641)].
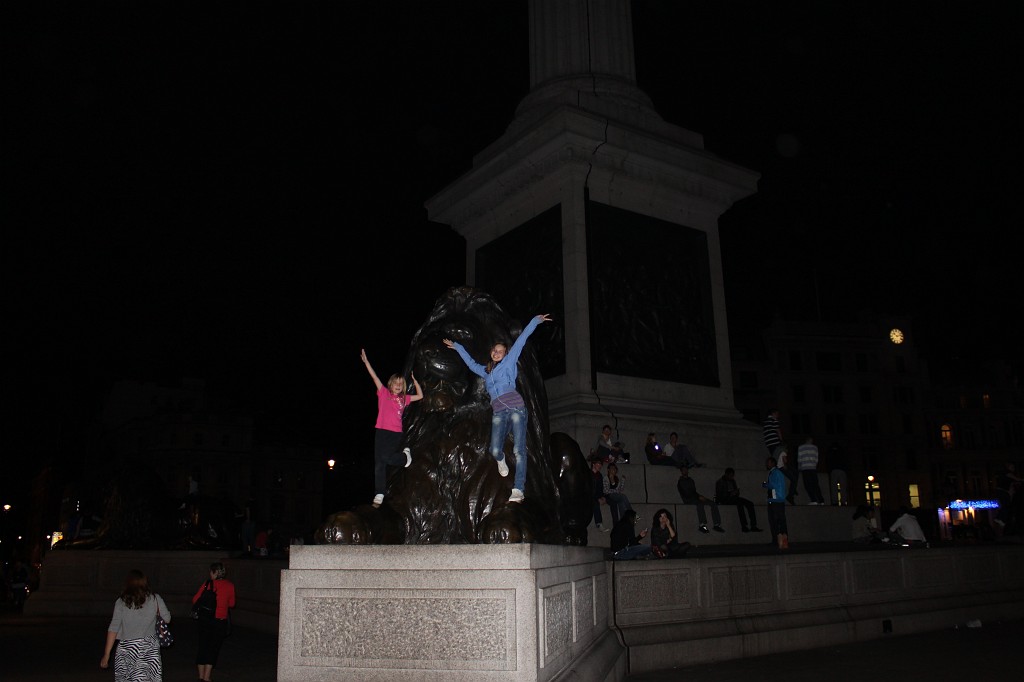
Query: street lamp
[(871, 490), (330, 464)]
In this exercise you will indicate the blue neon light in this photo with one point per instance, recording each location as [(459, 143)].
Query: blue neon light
[(975, 504)]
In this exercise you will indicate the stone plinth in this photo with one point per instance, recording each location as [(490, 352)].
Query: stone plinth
[(451, 612)]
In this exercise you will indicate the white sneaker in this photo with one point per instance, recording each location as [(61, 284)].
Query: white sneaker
[(378, 500), (408, 456), (503, 470), (603, 529), (517, 494)]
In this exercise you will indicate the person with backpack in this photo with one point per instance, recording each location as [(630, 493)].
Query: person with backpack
[(211, 607)]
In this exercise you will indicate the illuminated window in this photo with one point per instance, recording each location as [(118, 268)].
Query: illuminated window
[(871, 492), (915, 497), (986, 401), (947, 436)]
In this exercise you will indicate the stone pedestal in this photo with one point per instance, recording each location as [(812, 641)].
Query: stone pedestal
[(446, 612)]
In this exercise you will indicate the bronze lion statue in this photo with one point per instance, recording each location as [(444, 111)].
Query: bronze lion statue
[(452, 492)]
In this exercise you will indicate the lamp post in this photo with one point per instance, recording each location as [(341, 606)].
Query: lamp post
[(4, 545), (871, 490)]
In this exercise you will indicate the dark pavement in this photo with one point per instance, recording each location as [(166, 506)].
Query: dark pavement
[(60, 650), (34, 649), (54, 649)]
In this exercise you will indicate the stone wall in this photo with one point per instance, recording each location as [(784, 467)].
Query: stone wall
[(87, 582), (673, 613)]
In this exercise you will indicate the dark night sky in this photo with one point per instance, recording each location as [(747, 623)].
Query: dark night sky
[(197, 189)]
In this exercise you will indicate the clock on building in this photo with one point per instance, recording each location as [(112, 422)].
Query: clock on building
[(896, 336)]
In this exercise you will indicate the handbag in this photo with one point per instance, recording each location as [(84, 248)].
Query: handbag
[(163, 632), (206, 606)]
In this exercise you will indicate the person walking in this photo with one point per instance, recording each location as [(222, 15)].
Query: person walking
[(214, 616), (509, 409), (391, 403), (133, 628)]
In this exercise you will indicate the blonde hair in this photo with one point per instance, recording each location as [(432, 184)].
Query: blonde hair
[(399, 379)]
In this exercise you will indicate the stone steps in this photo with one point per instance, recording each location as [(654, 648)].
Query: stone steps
[(650, 488)]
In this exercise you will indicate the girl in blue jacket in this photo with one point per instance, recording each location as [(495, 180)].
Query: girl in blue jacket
[(508, 406)]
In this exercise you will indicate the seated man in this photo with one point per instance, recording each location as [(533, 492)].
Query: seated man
[(688, 492), (626, 545), (680, 453), (727, 492), (906, 530)]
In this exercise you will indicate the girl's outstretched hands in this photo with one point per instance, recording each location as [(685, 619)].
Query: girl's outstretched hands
[(448, 342), (544, 318), (362, 355)]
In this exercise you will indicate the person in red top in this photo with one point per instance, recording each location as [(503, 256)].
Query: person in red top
[(391, 402), (213, 631)]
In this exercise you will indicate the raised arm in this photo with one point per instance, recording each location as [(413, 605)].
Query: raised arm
[(373, 375), (474, 366), (517, 347), (418, 395)]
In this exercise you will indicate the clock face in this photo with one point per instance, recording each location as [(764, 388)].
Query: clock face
[(896, 336)]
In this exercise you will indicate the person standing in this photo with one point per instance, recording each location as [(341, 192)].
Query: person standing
[(391, 403), (728, 493), (508, 407), (772, 433), (776, 485), (214, 627), (133, 628), (773, 440), (807, 460), (688, 492)]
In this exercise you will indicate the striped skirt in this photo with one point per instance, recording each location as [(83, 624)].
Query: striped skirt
[(138, 660)]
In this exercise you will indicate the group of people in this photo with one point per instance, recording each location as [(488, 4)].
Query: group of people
[(626, 543), (674, 454), (509, 414), (132, 642), (905, 531)]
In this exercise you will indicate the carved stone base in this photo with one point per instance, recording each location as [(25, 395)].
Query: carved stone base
[(446, 612)]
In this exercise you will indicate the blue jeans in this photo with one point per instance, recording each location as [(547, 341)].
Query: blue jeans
[(501, 423), (618, 504), (632, 552)]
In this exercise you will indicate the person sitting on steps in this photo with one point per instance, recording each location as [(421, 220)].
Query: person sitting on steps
[(688, 492)]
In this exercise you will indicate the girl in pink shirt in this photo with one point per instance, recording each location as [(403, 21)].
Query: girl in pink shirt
[(391, 402)]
